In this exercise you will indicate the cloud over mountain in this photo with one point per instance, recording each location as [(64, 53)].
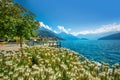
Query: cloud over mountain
[(62, 29), (45, 26), (103, 29)]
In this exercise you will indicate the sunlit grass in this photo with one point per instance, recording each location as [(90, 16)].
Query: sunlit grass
[(47, 63)]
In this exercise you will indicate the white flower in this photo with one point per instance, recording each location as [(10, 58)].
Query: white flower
[(58, 74), (31, 78), (28, 70), (41, 69), (27, 74), (35, 67), (8, 63), (56, 68), (15, 75), (34, 73), (10, 73), (64, 66), (49, 69), (5, 78), (21, 70), (47, 61), (0, 60), (53, 77), (1, 74), (20, 78)]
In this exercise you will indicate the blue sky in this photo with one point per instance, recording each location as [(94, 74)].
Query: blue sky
[(76, 16)]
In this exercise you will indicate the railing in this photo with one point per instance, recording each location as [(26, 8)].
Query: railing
[(54, 43), (45, 43)]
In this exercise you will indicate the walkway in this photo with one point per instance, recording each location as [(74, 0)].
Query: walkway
[(9, 46)]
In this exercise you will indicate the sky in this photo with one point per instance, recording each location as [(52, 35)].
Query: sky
[(76, 16)]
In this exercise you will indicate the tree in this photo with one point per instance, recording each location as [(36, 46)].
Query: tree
[(8, 16), (16, 20), (26, 25)]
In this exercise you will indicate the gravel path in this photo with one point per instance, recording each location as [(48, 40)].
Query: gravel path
[(9, 46)]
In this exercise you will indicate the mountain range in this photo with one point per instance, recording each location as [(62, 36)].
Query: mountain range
[(66, 36), (96, 36), (115, 36), (43, 32)]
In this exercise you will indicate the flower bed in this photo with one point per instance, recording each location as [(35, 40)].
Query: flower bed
[(47, 63)]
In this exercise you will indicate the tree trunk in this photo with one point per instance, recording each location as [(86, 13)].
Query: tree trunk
[(21, 41)]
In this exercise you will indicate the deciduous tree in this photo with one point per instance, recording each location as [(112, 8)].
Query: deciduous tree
[(15, 20)]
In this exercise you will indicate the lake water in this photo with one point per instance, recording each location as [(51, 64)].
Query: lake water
[(98, 50)]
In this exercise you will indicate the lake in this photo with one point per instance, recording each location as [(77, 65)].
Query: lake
[(98, 50)]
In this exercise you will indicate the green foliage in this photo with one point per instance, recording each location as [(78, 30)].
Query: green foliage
[(8, 17), (34, 34), (15, 20)]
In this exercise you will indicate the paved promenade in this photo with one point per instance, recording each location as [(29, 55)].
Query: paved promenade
[(9, 46)]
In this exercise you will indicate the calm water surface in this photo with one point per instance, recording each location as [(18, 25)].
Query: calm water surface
[(98, 50)]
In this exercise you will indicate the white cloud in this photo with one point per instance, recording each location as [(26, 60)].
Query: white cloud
[(42, 24), (55, 31), (62, 29), (103, 29), (45, 26), (48, 27)]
